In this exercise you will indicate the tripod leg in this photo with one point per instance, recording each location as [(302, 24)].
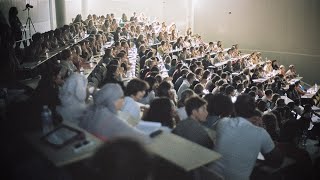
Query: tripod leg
[(33, 26)]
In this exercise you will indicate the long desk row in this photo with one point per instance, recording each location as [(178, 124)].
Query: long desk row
[(49, 55)]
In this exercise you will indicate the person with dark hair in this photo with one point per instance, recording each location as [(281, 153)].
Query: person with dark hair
[(198, 89), (16, 25), (219, 106), (240, 89), (150, 93), (186, 83), (238, 160), (292, 93), (270, 123), (177, 72), (302, 169), (230, 91), (267, 97), (161, 110), (124, 159), (218, 85), (274, 99), (107, 57), (50, 83), (255, 118), (135, 90), (186, 94), (299, 88), (180, 80), (113, 74), (66, 61), (191, 128)]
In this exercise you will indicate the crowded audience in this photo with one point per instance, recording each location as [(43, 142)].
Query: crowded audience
[(152, 71)]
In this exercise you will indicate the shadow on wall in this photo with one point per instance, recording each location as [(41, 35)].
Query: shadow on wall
[(307, 66)]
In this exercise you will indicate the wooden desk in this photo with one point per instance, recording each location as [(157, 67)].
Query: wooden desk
[(65, 155), (181, 152), (42, 59)]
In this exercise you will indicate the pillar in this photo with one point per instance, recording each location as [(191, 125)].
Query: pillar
[(60, 13)]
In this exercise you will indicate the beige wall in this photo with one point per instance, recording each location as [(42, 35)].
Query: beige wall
[(39, 14), (287, 30), (165, 10)]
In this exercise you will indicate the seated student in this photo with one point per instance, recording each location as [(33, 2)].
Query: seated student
[(302, 168), (91, 29), (268, 67), (191, 128), (291, 73), (186, 84), (124, 159), (270, 123), (218, 58), (50, 83), (218, 47), (292, 93), (135, 91), (73, 96), (186, 94), (229, 54), (239, 142), (299, 88), (219, 106), (67, 62), (102, 120), (34, 50), (162, 110), (267, 97), (150, 93)]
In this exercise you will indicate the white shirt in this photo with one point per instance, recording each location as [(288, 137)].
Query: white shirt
[(131, 107)]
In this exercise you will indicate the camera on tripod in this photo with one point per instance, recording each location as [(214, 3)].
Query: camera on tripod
[(28, 6)]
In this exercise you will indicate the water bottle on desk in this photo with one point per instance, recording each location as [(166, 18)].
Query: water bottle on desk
[(46, 119), (315, 87)]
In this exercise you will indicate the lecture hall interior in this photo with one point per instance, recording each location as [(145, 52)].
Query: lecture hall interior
[(160, 89)]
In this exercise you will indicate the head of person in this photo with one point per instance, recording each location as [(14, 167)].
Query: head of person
[(191, 77), (74, 90), (219, 105), (230, 91), (196, 108), (164, 89), (184, 96), (275, 97), (270, 122), (136, 88), (280, 102), (66, 54), (240, 88), (112, 71), (13, 11), (268, 93), (161, 110), (124, 159), (198, 89), (110, 96), (262, 106), (245, 106)]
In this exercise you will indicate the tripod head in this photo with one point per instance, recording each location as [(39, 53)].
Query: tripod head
[(28, 6)]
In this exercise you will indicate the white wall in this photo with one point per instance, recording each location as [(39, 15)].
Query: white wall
[(286, 30), (165, 10), (43, 13), (39, 14)]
